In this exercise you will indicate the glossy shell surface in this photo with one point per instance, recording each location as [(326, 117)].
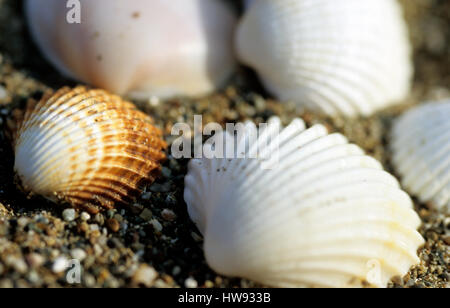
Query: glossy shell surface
[(138, 48), (421, 153), (87, 148), (310, 210), (347, 58)]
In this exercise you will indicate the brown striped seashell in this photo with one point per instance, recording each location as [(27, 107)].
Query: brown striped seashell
[(85, 147)]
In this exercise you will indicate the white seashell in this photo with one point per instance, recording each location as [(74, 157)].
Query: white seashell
[(421, 152), (349, 57), (141, 48), (87, 148), (325, 215)]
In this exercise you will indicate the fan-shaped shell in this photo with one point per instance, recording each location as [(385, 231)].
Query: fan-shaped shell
[(421, 152), (322, 214), (349, 57), (87, 148), (139, 48)]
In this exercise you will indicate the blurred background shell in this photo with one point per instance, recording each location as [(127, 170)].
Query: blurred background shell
[(139, 48), (349, 57), (421, 152), (87, 148), (311, 210)]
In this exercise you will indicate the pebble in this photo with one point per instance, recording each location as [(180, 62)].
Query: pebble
[(146, 196), (168, 215), (146, 215), (69, 215), (447, 239), (3, 93), (118, 217), (6, 284), (85, 216), (190, 283), (166, 172), (113, 225), (35, 260), (209, 284), (33, 277), (176, 271), (78, 254), (156, 225), (17, 263), (94, 227), (22, 221), (100, 219), (156, 187), (145, 275), (60, 265)]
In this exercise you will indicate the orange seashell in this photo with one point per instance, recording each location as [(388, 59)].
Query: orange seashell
[(88, 148)]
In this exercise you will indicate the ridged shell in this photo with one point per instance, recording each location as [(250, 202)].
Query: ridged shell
[(323, 216), (139, 48), (350, 58), (421, 152), (86, 147)]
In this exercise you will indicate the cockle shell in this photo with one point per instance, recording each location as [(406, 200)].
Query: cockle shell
[(140, 48), (421, 152), (347, 57), (87, 148), (325, 215)]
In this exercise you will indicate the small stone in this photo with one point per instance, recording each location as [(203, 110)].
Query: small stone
[(136, 208), (410, 283), (85, 216), (209, 284), (6, 284), (113, 225), (60, 265), (176, 270), (146, 215), (33, 277), (17, 263), (35, 260), (170, 199), (145, 275), (166, 172), (78, 254), (118, 217), (89, 280), (446, 239), (69, 215), (94, 227), (168, 215), (190, 283), (397, 280), (156, 187), (156, 225), (22, 221), (3, 93), (99, 219), (83, 227), (110, 213), (146, 196)]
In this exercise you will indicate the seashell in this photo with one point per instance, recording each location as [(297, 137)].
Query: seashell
[(348, 58), (87, 148), (323, 214), (139, 48), (421, 153)]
